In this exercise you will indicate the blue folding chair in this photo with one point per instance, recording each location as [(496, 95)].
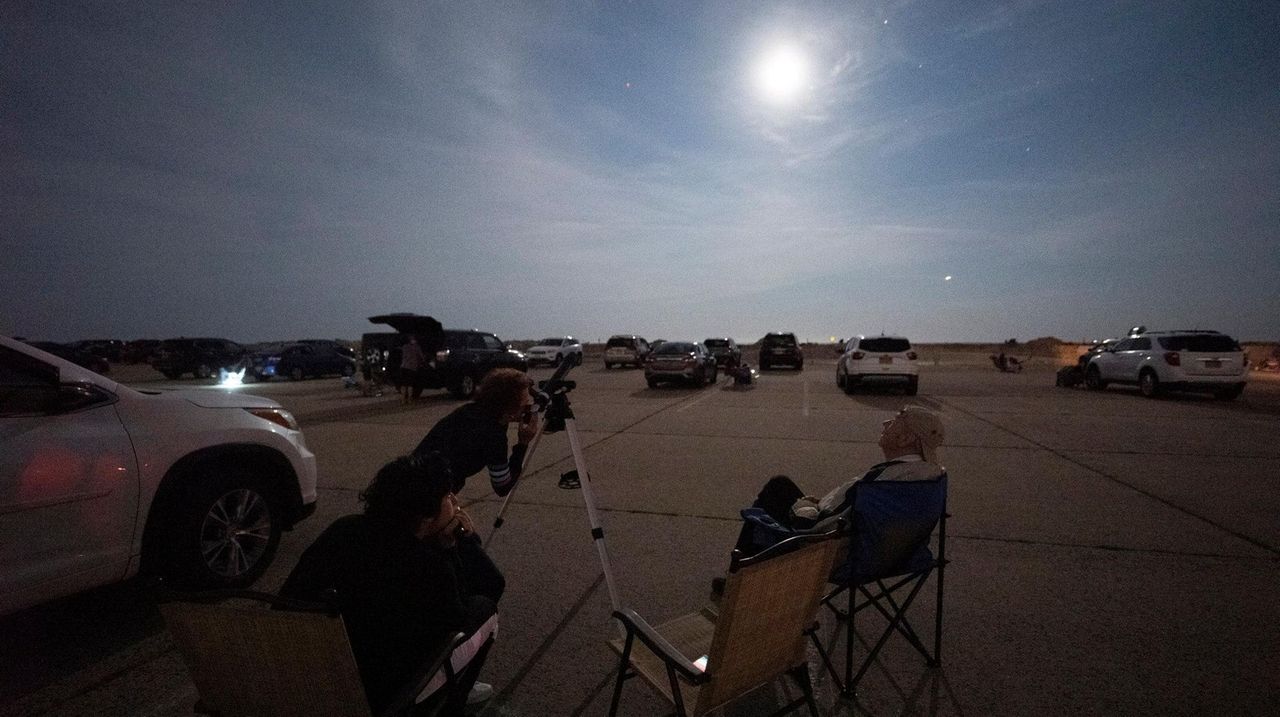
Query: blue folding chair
[(890, 552)]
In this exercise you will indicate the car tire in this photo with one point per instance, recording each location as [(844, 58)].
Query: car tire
[(913, 385), (1149, 384), (1093, 379), (850, 384), (203, 371), (840, 377), (224, 530), (296, 374), (653, 382)]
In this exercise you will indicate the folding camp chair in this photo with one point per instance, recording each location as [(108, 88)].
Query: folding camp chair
[(889, 552), (707, 660), (291, 662)]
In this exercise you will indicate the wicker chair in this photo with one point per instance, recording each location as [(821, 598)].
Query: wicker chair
[(758, 635), (296, 661)]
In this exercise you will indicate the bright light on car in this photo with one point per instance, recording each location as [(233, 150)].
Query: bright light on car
[(230, 379), (278, 416)]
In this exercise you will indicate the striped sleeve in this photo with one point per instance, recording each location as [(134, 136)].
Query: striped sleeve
[(503, 476)]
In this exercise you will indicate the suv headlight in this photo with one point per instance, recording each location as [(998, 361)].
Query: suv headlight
[(278, 416)]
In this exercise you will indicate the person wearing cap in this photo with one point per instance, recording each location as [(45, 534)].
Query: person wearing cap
[(909, 441)]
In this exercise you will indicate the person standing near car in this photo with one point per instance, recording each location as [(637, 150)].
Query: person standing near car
[(411, 362), (474, 438)]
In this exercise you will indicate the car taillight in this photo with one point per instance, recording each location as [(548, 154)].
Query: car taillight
[(442, 355), (1172, 358), (911, 355), (278, 416), (856, 355)]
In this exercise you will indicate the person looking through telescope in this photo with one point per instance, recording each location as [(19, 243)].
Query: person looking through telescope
[(474, 435)]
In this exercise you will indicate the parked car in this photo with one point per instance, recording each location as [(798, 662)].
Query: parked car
[(76, 356), (726, 351), (554, 350), (201, 357), (1157, 361), (685, 361), (99, 481), (457, 359), (626, 350), (139, 350), (303, 360), (109, 349), (878, 358), (780, 348)]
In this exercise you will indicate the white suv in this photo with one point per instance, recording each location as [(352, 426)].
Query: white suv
[(1183, 360), (626, 349), (98, 481), (879, 358), (554, 350)]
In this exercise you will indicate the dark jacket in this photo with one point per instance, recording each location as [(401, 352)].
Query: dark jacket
[(399, 597), (471, 439)]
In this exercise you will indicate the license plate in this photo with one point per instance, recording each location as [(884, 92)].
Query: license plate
[(1213, 363), (886, 359)]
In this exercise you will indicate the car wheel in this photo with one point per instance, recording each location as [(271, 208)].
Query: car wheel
[(653, 382), (1149, 384), (225, 531), (1093, 379), (203, 371), (840, 377), (913, 385), (296, 373), (850, 383), (464, 387)]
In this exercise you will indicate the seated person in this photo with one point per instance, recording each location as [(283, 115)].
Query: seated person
[(399, 585), (909, 442)]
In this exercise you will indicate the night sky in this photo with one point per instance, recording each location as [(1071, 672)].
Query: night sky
[(275, 170)]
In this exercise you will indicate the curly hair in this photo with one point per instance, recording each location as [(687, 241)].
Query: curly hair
[(406, 491), (502, 390)]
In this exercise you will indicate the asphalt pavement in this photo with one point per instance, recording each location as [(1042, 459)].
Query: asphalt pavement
[(1111, 554)]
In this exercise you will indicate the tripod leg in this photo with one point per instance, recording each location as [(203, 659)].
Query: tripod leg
[(528, 456), (597, 532)]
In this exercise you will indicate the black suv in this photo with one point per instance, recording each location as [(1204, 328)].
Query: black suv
[(199, 357), (726, 351), (456, 358), (780, 348)]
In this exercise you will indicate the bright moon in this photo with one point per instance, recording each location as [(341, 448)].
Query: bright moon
[(782, 74)]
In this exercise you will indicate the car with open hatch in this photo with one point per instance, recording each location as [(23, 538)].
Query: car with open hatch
[(457, 359), (99, 481), (878, 359)]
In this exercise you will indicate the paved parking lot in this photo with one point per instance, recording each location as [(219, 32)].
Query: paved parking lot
[(1112, 554)]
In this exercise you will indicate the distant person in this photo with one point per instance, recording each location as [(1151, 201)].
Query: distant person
[(400, 585), (412, 361), (909, 442)]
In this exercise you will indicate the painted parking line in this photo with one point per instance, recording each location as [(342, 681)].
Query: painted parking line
[(709, 393), (804, 407)]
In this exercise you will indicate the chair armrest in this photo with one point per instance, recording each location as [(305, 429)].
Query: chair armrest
[(636, 625), (434, 662)]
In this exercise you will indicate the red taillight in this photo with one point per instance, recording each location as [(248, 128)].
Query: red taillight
[(911, 355), (1172, 358)]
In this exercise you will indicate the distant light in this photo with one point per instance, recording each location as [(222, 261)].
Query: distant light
[(947, 277), (230, 379)]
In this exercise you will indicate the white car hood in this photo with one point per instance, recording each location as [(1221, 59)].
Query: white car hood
[(221, 399)]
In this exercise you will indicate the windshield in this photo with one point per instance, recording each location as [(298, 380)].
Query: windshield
[(674, 347), (884, 345), (1199, 343), (621, 343), (716, 343), (549, 342), (779, 340)]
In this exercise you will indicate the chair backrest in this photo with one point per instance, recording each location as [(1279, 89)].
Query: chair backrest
[(769, 601), (893, 522), (250, 662)]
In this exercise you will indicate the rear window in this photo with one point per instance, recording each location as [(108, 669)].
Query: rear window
[(716, 343), (674, 347), (550, 342), (620, 342), (885, 345), (779, 340), (1197, 343), (455, 340)]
